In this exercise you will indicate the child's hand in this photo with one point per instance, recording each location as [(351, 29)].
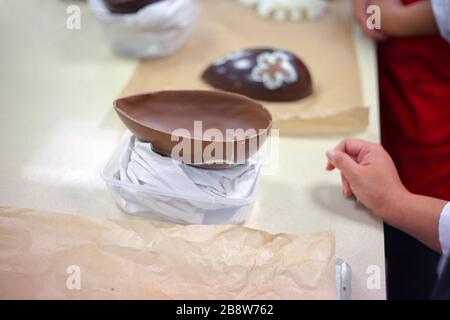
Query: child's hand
[(368, 173)]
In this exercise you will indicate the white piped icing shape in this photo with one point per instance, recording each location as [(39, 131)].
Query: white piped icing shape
[(230, 56), (273, 69), (288, 9)]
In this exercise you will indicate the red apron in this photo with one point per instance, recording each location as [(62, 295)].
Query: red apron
[(414, 80), (415, 111)]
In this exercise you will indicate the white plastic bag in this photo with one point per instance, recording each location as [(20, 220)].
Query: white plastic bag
[(147, 184), (156, 30)]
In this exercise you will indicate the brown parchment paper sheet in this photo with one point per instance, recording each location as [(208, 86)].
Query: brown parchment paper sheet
[(325, 45), (142, 259)]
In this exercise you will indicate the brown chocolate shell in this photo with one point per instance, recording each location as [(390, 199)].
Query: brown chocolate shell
[(158, 117)]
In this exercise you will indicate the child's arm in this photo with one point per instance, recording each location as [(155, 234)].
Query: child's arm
[(420, 217), (397, 19), (404, 21)]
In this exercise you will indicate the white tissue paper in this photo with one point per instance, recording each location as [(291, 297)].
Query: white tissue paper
[(148, 184), (156, 30)]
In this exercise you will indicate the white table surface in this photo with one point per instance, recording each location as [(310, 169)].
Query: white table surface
[(57, 128)]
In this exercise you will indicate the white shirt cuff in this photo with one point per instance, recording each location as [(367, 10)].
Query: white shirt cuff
[(441, 11), (444, 229)]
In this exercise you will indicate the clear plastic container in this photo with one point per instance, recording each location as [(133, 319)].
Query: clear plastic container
[(147, 201)]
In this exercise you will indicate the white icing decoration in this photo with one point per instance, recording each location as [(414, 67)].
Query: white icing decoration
[(273, 80), (242, 64), (230, 56), (283, 9)]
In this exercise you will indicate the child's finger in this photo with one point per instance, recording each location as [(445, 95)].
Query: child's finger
[(346, 188), (329, 166)]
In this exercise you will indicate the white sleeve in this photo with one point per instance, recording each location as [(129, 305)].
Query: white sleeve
[(444, 229), (441, 11)]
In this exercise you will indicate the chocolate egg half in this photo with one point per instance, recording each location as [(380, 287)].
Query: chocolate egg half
[(232, 125), (264, 74), (127, 6)]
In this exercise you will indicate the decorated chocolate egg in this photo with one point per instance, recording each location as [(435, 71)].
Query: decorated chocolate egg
[(263, 73)]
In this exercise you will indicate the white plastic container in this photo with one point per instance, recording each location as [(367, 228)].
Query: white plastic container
[(156, 30), (144, 200)]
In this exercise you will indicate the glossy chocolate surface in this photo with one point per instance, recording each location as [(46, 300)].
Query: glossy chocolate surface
[(127, 6), (154, 117), (264, 74)]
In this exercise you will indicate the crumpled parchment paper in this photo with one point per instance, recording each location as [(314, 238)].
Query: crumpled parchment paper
[(47, 255)]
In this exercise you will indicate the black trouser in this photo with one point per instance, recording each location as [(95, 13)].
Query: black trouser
[(410, 265)]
